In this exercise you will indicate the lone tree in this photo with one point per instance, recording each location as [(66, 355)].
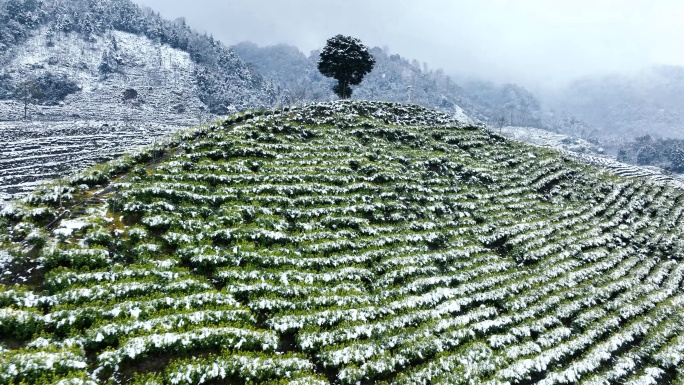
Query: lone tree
[(29, 92), (346, 60)]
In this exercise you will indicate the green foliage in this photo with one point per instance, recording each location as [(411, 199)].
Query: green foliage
[(48, 89), (352, 242), (54, 88)]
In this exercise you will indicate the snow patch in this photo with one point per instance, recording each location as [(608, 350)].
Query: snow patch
[(5, 261), (68, 227), (546, 138)]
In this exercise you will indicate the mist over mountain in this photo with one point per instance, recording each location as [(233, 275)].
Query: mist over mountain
[(105, 67), (621, 107), (62, 58), (75, 53)]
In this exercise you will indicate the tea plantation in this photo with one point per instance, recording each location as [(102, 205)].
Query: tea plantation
[(343, 243)]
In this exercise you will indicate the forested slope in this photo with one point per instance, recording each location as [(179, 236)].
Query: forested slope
[(224, 82)]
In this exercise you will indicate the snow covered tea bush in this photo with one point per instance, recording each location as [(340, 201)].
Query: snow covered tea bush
[(350, 242)]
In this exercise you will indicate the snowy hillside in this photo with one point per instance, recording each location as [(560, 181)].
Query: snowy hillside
[(547, 138), (589, 153), (33, 153), (160, 77), (82, 82), (105, 118), (224, 83), (343, 243)]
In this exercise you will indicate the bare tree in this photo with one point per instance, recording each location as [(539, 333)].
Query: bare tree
[(501, 121), (300, 91), (28, 92)]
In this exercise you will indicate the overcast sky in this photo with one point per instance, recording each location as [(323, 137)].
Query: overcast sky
[(536, 43)]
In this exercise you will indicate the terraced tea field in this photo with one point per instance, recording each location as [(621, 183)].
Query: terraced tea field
[(345, 243), (34, 153), (588, 153)]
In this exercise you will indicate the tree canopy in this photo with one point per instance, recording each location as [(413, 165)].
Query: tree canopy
[(346, 60)]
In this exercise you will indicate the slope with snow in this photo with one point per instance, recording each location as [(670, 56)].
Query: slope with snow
[(98, 122), (587, 152), (344, 243), (161, 76), (36, 152)]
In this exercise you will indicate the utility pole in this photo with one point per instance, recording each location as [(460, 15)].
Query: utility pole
[(409, 89)]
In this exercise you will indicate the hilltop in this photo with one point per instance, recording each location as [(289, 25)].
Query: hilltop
[(345, 243), (395, 78)]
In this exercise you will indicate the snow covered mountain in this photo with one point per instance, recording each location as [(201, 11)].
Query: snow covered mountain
[(110, 53), (151, 80)]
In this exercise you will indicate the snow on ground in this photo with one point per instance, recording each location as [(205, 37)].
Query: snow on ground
[(589, 153), (36, 152), (95, 124), (653, 173), (5, 261), (546, 138), (162, 77), (461, 116), (67, 227)]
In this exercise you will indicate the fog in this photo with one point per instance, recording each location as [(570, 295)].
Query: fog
[(539, 44)]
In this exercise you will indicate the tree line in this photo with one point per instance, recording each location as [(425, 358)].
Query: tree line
[(647, 151)]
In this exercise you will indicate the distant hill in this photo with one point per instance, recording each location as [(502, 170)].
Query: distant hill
[(624, 107), (84, 81), (343, 243), (148, 80), (664, 153)]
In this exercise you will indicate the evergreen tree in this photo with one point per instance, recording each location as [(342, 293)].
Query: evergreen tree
[(346, 60)]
